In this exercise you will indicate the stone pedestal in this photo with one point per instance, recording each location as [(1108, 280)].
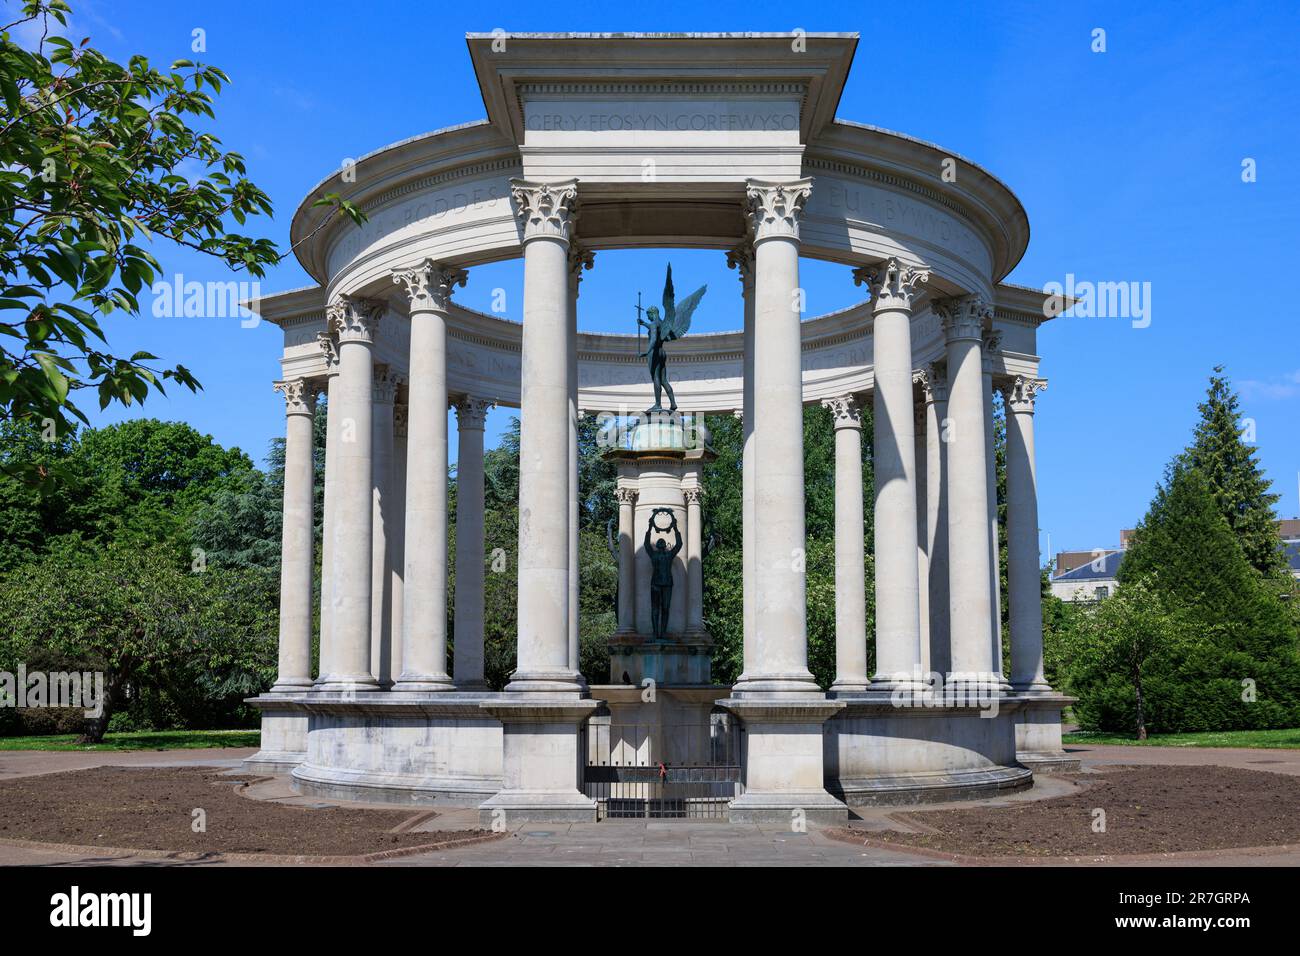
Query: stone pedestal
[(541, 762), (1038, 734), (782, 756), (661, 467), (284, 735)]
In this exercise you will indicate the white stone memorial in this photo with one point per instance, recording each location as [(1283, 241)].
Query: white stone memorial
[(715, 141)]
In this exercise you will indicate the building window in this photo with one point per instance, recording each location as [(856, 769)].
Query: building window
[(1101, 592)]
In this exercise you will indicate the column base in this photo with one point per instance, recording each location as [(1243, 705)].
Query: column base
[(345, 683), (541, 762), (851, 687), (560, 685), (794, 685), (423, 683), (903, 688), (292, 685), (1038, 686), (783, 761)]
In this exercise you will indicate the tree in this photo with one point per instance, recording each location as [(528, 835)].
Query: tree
[(140, 482), (1238, 667), (1119, 641), (133, 615), (1240, 488), (91, 160)]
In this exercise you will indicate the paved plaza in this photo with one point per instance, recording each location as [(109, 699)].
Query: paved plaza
[(651, 842)]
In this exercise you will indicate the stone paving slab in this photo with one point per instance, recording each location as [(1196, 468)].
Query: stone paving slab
[(651, 842)]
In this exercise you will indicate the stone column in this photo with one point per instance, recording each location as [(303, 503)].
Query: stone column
[(471, 416), (354, 321), (850, 550), (898, 623), (934, 381), (779, 663), (741, 258), (296, 540), (1024, 585), (970, 609), (991, 340), (330, 348), (543, 708), (397, 536), (626, 498), (694, 494), (922, 528), (579, 259), (424, 619), (381, 587), (780, 704), (546, 210)]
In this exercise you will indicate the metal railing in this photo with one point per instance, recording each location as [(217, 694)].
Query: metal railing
[(663, 771)]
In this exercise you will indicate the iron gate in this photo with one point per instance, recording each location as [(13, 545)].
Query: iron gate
[(663, 771)]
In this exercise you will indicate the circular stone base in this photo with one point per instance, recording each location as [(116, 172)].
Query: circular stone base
[(933, 788), (881, 754)]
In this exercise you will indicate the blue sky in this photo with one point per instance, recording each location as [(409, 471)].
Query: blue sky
[(1128, 162)]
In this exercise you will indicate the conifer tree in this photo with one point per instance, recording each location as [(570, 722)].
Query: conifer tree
[(1240, 488)]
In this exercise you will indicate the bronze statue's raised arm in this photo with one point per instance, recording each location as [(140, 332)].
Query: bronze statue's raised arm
[(678, 546)]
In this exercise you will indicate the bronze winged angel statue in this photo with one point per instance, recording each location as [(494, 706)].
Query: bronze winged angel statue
[(662, 329)]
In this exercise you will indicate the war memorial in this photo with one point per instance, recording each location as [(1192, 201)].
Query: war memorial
[(727, 142)]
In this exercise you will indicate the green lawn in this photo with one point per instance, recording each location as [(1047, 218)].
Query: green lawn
[(145, 740), (1224, 738)]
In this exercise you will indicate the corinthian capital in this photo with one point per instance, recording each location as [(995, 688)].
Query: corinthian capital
[(775, 208), (846, 411), (893, 285), (934, 382), (329, 347), (963, 316), (546, 209), (580, 259), (429, 285), (1021, 392), (472, 412), (741, 258), (299, 396), (354, 320), (385, 384)]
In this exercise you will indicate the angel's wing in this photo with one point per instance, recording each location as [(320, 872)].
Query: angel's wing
[(669, 295), (681, 318)]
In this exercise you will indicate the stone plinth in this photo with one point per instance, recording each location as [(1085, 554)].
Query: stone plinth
[(541, 762), (1038, 734), (782, 755), (687, 660), (284, 734)]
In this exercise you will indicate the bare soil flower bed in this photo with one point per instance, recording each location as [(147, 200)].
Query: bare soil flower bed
[(1147, 810), (152, 808)]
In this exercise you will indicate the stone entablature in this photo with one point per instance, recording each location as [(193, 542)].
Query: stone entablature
[(484, 354)]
